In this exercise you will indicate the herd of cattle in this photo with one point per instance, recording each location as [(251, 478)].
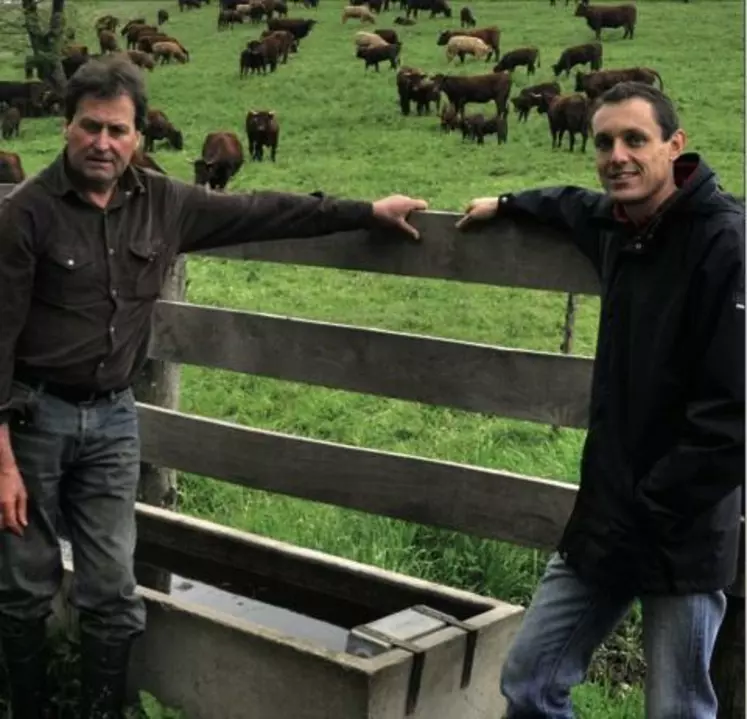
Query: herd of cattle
[(149, 45)]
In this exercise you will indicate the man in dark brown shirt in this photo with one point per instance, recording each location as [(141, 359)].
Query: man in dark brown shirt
[(84, 249)]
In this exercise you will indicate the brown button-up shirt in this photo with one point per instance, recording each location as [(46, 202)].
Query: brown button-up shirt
[(78, 283)]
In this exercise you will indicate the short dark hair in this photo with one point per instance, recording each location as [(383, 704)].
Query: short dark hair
[(106, 78), (666, 115)]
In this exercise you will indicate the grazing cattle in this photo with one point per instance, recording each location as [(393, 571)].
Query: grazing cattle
[(375, 55), (11, 169), (566, 113), (389, 35), (449, 119), (135, 32), (478, 127), (163, 16), (360, 12), (601, 16), (436, 7), (108, 22), (595, 83), (516, 58), (407, 78), (284, 41), (228, 18), (222, 157), (369, 39), (461, 89), (158, 127), (262, 130), (70, 50), (461, 45), (11, 123), (529, 97), (165, 51), (72, 63), (141, 59), (588, 54), (399, 20), (489, 35), (425, 91), (258, 55), (25, 95), (466, 18), (108, 41), (296, 26)]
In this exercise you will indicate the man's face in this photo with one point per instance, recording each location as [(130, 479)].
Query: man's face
[(101, 139), (633, 161)]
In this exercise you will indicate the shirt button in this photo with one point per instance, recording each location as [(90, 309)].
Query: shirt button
[(111, 329), (70, 262), (638, 245), (111, 250), (101, 365), (115, 292)]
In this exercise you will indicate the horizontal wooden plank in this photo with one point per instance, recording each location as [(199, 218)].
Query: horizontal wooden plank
[(483, 502), (320, 585), (534, 386)]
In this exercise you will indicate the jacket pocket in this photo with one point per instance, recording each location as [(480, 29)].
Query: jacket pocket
[(66, 276), (144, 268)]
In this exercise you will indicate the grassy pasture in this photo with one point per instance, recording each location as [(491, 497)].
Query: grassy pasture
[(341, 132)]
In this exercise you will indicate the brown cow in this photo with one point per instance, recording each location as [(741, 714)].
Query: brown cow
[(461, 89), (479, 126), (407, 79), (11, 123), (389, 35), (590, 53), (528, 98), (489, 35), (141, 59), (423, 92), (466, 18), (599, 16), (284, 40), (522, 56), (11, 169), (163, 16), (107, 22), (375, 55), (158, 127), (262, 130), (222, 157), (399, 20), (228, 18), (595, 83), (566, 113), (298, 27), (108, 41)]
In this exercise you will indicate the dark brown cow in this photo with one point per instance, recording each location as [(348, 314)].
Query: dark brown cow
[(595, 83), (466, 18), (407, 79), (285, 41), (107, 22), (491, 36), (159, 127), (108, 41), (141, 59), (449, 119), (600, 16), (567, 113), (399, 20), (11, 169), (228, 18), (11, 124), (497, 125), (461, 89), (423, 92), (134, 32), (298, 27), (163, 16), (382, 53), (528, 98), (389, 35), (262, 130), (147, 42), (222, 157), (588, 54), (516, 58)]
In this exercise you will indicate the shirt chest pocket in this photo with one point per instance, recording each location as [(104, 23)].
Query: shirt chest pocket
[(142, 270), (67, 277)]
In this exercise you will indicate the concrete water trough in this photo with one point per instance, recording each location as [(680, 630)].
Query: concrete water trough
[(260, 629)]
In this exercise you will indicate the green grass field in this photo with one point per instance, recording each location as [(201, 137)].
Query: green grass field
[(341, 132)]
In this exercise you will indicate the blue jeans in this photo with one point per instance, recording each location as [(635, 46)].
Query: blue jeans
[(567, 620), (80, 464)]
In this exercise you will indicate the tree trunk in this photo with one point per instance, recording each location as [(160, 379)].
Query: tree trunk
[(158, 384), (46, 45)]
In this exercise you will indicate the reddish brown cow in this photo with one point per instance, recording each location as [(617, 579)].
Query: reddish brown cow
[(11, 123), (522, 56), (389, 35), (222, 157), (11, 169), (407, 79), (286, 43), (375, 55), (108, 41), (528, 98), (461, 89), (595, 83), (590, 53), (298, 27), (600, 16), (158, 127), (262, 130), (566, 113), (491, 36)]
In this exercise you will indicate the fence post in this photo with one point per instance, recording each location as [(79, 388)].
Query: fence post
[(570, 320), (158, 384)]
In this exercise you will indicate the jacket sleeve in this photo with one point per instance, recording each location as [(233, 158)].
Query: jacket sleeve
[(212, 219), (17, 269), (568, 209), (707, 463)]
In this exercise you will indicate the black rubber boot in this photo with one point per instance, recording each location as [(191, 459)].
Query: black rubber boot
[(25, 653), (103, 677)]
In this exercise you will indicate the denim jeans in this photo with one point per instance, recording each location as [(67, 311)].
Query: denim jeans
[(568, 619), (80, 464)]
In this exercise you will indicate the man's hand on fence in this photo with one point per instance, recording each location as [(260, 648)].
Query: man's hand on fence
[(481, 208), (395, 209)]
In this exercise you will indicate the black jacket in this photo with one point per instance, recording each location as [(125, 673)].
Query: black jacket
[(660, 497)]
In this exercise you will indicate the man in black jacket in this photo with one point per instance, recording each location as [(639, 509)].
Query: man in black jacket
[(84, 249), (657, 515)]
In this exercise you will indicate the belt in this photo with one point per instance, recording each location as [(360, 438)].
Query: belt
[(69, 393)]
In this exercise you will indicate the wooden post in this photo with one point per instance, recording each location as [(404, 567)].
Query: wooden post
[(727, 663), (158, 384), (567, 344)]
